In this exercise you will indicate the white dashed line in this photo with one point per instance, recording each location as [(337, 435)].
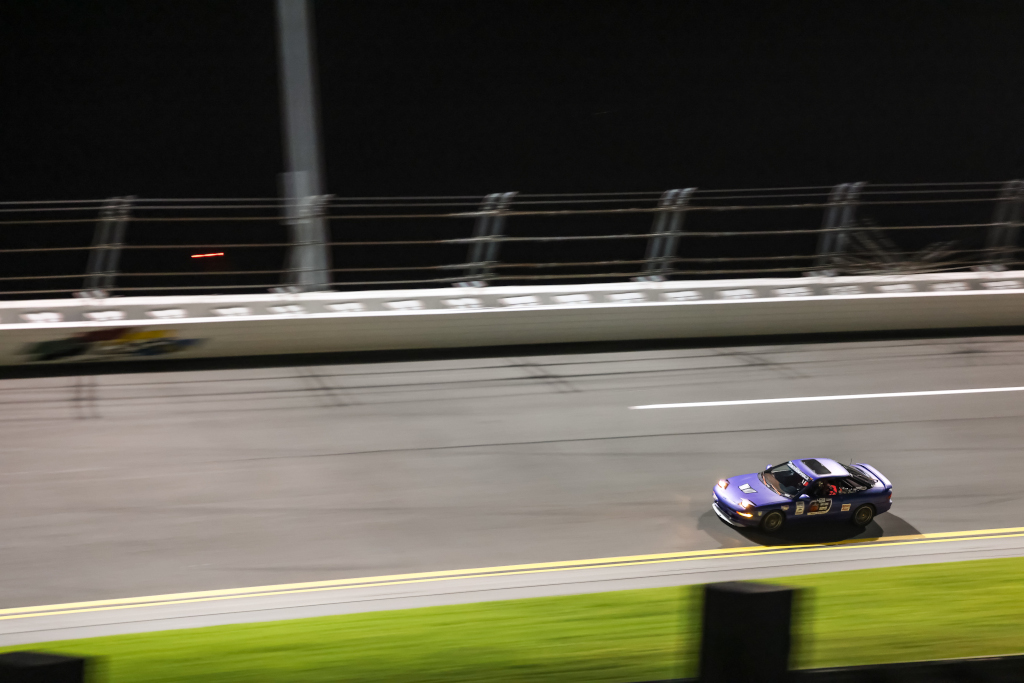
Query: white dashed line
[(845, 397)]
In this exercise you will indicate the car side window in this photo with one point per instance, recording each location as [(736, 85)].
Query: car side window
[(824, 488), (850, 485)]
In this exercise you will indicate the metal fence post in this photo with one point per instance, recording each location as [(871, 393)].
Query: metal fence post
[(1002, 237), (665, 232), (309, 266), (108, 239), (848, 216), (483, 251), (746, 633), (309, 260), (840, 216)]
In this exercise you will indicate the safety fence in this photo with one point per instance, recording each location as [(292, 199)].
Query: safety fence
[(135, 246)]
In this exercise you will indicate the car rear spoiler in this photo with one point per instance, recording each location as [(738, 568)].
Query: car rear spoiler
[(876, 474)]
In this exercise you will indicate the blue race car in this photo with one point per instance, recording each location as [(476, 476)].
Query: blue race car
[(798, 489)]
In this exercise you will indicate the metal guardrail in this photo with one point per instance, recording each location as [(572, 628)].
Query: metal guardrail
[(176, 246)]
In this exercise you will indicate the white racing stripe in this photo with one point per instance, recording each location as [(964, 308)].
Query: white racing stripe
[(843, 397)]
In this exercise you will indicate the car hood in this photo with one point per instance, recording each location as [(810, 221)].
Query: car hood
[(762, 494)]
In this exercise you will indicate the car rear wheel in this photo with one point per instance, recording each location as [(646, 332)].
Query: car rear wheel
[(863, 515), (772, 522)]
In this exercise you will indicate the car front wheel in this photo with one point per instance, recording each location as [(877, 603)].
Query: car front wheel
[(863, 515), (772, 522)]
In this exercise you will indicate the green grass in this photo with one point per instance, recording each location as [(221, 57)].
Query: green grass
[(876, 615)]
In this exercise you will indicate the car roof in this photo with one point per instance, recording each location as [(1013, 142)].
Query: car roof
[(818, 468)]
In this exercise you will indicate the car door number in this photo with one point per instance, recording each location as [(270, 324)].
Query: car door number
[(819, 506)]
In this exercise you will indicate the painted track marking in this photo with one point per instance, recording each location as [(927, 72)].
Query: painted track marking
[(511, 570), (843, 397)]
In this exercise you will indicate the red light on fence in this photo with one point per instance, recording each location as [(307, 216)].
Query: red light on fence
[(219, 253)]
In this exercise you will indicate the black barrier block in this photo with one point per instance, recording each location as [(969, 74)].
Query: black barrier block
[(975, 670), (893, 673), (992, 669), (746, 633), (857, 674), (41, 667)]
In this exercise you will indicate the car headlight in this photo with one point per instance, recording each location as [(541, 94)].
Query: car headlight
[(723, 484), (745, 504)]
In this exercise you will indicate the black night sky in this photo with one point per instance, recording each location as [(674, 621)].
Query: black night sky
[(179, 98)]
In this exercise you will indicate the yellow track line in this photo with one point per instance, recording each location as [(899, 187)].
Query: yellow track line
[(510, 570)]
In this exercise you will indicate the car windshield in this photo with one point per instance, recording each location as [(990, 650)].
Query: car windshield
[(784, 480)]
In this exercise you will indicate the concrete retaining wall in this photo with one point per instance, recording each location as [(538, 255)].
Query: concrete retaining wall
[(72, 330)]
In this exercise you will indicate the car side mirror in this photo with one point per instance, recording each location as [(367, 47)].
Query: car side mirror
[(803, 496), (767, 467)]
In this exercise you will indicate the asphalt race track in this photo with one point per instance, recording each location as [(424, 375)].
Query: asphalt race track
[(122, 485)]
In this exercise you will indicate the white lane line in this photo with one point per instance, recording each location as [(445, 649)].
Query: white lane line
[(845, 397)]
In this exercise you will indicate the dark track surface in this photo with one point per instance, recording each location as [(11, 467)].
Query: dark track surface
[(146, 483)]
